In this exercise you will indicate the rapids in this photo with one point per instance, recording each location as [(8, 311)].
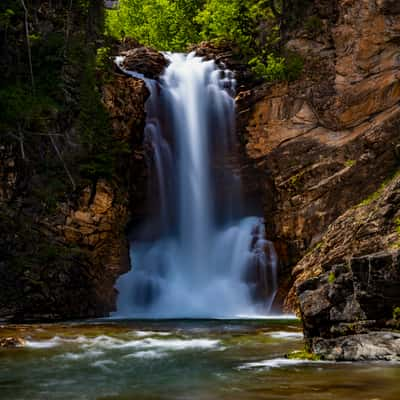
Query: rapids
[(180, 360)]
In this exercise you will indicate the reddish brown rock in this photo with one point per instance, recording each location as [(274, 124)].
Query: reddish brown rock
[(11, 342), (324, 143)]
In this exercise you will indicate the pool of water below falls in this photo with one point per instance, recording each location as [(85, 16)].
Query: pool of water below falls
[(181, 359)]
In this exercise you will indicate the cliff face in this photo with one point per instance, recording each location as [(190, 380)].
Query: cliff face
[(327, 141), (72, 166), (356, 288), (64, 264)]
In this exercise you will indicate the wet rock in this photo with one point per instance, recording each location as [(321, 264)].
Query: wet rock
[(146, 61), (373, 346), (227, 55), (11, 342), (349, 286)]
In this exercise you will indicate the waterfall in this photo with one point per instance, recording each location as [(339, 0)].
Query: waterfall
[(199, 254)]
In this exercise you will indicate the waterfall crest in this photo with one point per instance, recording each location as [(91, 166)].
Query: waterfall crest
[(199, 254)]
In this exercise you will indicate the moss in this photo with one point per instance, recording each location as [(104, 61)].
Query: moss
[(397, 222), (318, 246), (396, 314), (303, 355), (331, 278), (294, 180), (374, 196), (396, 245), (350, 163)]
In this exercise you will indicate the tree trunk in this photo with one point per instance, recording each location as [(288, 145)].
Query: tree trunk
[(28, 43)]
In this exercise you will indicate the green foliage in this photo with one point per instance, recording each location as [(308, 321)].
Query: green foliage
[(294, 67), (277, 68), (94, 128), (224, 19), (397, 222), (331, 278), (273, 70), (163, 24), (103, 58), (396, 314), (173, 25), (5, 17), (350, 163), (374, 196), (20, 108)]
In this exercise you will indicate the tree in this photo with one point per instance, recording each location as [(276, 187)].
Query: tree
[(163, 24)]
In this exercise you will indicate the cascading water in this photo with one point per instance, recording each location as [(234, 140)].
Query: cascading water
[(198, 256)]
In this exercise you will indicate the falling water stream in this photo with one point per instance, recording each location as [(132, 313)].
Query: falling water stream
[(199, 254)]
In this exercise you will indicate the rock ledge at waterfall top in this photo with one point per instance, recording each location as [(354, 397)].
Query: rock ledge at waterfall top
[(146, 61)]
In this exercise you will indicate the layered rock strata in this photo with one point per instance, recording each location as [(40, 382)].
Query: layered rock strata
[(324, 143)]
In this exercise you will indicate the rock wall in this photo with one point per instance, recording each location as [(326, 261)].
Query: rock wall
[(324, 143), (64, 263), (355, 288)]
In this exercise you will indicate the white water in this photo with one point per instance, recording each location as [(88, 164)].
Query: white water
[(200, 255)]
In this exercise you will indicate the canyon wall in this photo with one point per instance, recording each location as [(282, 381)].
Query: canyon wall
[(323, 145), (72, 163)]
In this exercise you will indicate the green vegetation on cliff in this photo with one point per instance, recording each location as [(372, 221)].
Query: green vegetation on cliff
[(252, 26), (55, 135), (49, 92)]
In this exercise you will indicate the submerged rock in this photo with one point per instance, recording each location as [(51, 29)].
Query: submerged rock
[(10, 342)]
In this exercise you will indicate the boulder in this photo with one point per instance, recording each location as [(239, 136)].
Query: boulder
[(146, 61)]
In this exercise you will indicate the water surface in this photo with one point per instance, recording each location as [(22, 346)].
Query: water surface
[(188, 359)]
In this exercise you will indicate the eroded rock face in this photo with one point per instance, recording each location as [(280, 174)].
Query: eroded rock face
[(324, 143), (349, 284), (63, 263)]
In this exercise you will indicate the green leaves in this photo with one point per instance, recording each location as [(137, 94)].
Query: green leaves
[(172, 25), (276, 68), (163, 24)]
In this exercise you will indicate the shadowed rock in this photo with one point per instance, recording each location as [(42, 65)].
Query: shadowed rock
[(146, 61)]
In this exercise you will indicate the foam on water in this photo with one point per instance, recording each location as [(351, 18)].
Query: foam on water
[(150, 333), (96, 346), (147, 354), (286, 335), (273, 363)]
